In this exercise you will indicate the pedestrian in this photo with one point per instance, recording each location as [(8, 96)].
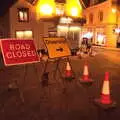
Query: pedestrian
[(84, 44), (89, 46)]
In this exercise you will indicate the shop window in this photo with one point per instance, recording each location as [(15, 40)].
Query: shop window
[(91, 18), (23, 14), (24, 34), (100, 39), (100, 16)]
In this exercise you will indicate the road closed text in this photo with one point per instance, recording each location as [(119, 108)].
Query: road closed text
[(20, 51)]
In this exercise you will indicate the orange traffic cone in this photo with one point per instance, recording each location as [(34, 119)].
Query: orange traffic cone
[(68, 72), (85, 78), (105, 100)]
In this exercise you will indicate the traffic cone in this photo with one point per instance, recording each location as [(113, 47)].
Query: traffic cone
[(85, 78), (105, 100), (68, 72)]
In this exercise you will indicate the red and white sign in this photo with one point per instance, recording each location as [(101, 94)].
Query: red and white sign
[(18, 51)]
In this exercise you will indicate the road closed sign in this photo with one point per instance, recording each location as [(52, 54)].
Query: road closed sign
[(18, 51), (57, 47)]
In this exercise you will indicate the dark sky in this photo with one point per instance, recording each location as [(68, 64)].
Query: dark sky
[(5, 4)]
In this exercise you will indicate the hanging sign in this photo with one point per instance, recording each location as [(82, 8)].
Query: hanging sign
[(57, 47), (18, 51)]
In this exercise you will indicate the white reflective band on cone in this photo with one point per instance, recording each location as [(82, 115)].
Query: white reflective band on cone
[(68, 66), (85, 70), (106, 89)]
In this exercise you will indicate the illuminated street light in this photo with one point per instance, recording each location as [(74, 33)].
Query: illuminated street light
[(73, 8), (45, 8), (114, 10), (74, 12)]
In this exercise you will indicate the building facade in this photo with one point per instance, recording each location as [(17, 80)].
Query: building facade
[(103, 23), (20, 21)]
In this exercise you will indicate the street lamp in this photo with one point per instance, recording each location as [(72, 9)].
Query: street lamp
[(45, 8), (73, 8)]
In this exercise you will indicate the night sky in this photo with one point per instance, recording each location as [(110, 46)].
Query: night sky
[(5, 4)]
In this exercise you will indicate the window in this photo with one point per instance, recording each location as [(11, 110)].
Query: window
[(60, 9), (27, 34), (91, 18), (23, 14), (100, 16)]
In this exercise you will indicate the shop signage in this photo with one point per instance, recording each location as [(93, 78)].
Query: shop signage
[(18, 51), (57, 47)]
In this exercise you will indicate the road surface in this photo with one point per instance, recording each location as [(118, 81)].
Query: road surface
[(60, 100)]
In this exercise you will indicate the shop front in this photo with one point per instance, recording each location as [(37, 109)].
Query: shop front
[(95, 35), (100, 37), (71, 31)]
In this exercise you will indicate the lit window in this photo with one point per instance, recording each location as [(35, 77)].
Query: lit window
[(100, 16), (24, 34), (19, 34), (28, 34), (59, 9), (23, 14)]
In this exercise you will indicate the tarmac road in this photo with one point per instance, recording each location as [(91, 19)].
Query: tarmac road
[(60, 99)]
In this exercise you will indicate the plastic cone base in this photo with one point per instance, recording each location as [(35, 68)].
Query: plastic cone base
[(105, 106), (86, 81), (69, 78), (68, 74)]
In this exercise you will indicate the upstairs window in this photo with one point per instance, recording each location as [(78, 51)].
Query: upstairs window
[(100, 16), (91, 18), (23, 14)]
